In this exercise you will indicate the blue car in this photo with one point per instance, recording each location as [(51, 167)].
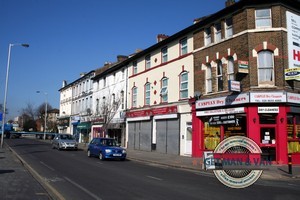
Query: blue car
[(106, 148)]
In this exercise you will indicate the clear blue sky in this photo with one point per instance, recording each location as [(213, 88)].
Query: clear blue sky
[(68, 37)]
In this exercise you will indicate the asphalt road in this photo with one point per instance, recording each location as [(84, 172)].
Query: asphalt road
[(72, 175)]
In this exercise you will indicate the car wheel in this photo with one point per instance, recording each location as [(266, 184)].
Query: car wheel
[(88, 153), (53, 146), (101, 157), (58, 147)]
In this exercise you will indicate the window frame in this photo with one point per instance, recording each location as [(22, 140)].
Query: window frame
[(263, 18), (208, 79), (181, 83), (218, 32), (148, 62), (147, 94), (164, 90), (183, 46), (134, 67), (230, 69), (219, 76), (207, 36), (260, 68), (134, 97), (229, 28), (164, 54)]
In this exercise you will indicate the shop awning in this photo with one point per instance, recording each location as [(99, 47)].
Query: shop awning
[(84, 125)]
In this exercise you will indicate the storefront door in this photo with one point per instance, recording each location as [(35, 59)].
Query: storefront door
[(268, 142), (188, 139)]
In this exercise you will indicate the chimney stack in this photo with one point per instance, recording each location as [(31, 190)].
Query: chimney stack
[(229, 3), (121, 58), (161, 37)]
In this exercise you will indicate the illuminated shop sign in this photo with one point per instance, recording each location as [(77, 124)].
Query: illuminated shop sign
[(270, 97), (221, 111), (293, 98), (234, 86), (223, 101), (222, 119), (268, 109), (243, 67)]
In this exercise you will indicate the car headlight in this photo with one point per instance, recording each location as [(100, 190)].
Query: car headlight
[(107, 151), (124, 151)]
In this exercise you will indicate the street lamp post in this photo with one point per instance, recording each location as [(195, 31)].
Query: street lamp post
[(46, 102), (6, 86)]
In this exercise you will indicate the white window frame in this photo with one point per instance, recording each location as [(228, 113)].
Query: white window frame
[(134, 67), (207, 36), (230, 69), (219, 76), (208, 79), (148, 62), (229, 28), (164, 90), (218, 32), (267, 78), (134, 97), (183, 46), (184, 90), (164, 54), (147, 94), (265, 18)]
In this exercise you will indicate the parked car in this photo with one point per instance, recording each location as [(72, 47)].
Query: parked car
[(106, 148), (64, 141)]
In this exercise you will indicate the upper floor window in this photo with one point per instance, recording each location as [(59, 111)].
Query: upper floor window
[(208, 79), (134, 67), (123, 74), (164, 54), (218, 34), (122, 100), (104, 82), (114, 103), (219, 76), (228, 24), (265, 68), (183, 85), (183, 46), (164, 90), (147, 94), (148, 61), (134, 97), (230, 69), (207, 36), (263, 18)]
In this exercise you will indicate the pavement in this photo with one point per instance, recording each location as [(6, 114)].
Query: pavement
[(19, 181)]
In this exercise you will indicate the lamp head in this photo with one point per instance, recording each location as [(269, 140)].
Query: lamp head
[(25, 45)]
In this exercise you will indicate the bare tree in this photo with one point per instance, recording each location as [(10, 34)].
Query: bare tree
[(109, 107), (41, 112), (29, 111)]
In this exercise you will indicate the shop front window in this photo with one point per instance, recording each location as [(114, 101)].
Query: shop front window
[(293, 133), (217, 128)]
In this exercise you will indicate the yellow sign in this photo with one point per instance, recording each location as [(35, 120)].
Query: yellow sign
[(292, 74)]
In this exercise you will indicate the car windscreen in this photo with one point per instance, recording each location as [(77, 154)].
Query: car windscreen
[(66, 137), (108, 142)]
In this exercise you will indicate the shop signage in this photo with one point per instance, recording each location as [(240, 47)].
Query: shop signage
[(292, 74), (221, 111), (293, 98), (268, 109), (267, 97), (243, 67), (293, 32), (223, 101), (222, 119), (234, 86), (152, 112)]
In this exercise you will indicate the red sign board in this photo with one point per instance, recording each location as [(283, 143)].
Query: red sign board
[(152, 112)]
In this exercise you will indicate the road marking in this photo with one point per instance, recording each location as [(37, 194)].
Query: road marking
[(155, 178), (101, 163), (47, 166), (82, 188)]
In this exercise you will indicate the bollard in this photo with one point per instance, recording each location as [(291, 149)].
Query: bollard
[(290, 163)]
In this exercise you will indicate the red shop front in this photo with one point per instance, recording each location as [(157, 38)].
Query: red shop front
[(271, 119)]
